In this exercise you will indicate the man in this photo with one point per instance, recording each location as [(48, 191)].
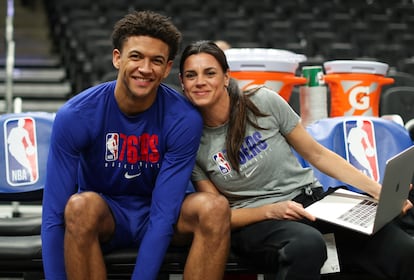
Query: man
[(119, 164)]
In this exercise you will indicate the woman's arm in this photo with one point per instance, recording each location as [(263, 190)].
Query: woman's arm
[(329, 162)]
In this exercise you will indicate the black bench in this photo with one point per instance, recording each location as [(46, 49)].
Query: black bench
[(21, 255)]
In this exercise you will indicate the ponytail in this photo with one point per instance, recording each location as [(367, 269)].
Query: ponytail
[(242, 112)]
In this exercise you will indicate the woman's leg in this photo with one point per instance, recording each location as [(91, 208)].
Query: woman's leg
[(388, 254), (292, 249)]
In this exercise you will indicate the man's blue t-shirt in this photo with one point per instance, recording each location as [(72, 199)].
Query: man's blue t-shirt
[(149, 157)]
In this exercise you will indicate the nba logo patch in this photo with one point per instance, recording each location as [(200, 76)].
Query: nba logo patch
[(222, 163), (112, 146), (361, 150), (21, 151)]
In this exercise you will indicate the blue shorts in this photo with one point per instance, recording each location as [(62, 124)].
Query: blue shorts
[(131, 218)]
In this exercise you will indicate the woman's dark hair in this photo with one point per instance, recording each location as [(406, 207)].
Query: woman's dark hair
[(242, 109), (147, 23)]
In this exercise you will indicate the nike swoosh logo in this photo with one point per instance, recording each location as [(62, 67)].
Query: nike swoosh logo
[(248, 174), (131, 176)]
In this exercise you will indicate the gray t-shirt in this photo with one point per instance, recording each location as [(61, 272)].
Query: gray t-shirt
[(269, 171)]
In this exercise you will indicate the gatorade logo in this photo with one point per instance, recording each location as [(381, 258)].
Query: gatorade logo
[(21, 151), (359, 98), (361, 150)]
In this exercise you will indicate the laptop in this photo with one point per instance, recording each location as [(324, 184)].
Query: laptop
[(362, 213)]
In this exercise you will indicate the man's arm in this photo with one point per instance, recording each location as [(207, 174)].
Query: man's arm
[(60, 185), (329, 162), (183, 141)]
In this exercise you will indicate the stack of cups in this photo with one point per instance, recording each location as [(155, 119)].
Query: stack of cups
[(313, 95)]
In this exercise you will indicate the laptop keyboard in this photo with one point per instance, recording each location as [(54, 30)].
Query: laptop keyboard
[(362, 214)]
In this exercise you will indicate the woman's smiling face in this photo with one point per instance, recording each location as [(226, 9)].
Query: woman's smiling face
[(203, 79)]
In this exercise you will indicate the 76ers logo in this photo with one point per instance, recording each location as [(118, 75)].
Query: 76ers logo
[(361, 149), (222, 163), (21, 151), (132, 148)]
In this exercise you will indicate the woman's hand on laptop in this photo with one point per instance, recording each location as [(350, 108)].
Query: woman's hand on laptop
[(407, 205)]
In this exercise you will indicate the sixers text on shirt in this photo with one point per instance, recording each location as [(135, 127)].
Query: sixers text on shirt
[(132, 149), (251, 147)]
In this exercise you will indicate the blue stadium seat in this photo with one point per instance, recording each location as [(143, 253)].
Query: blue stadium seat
[(25, 139), (386, 139)]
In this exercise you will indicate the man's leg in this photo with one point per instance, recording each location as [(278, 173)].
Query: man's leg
[(207, 216), (88, 221)]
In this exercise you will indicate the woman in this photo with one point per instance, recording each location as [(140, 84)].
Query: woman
[(245, 154)]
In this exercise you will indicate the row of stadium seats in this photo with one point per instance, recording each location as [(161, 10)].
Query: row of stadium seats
[(322, 30)]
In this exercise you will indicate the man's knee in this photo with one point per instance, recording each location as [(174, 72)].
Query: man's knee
[(82, 212), (213, 212), (214, 208)]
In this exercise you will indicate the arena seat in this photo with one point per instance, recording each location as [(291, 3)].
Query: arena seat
[(398, 100), (386, 138), (22, 172), (25, 139)]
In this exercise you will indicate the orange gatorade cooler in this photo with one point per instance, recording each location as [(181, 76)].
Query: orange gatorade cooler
[(273, 68), (355, 86)]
